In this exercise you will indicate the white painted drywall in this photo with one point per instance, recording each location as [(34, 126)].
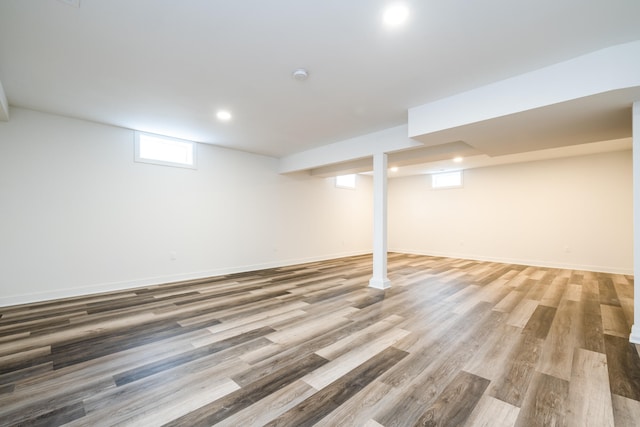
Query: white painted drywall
[(363, 146), (570, 213), (78, 215), (613, 68)]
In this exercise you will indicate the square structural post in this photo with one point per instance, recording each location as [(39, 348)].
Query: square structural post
[(635, 329), (380, 279)]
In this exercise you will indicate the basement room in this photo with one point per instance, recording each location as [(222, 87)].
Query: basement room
[(334, 213)]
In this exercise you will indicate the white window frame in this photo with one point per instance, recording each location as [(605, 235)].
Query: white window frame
[(436, 186), (192, 145), (346, 185)]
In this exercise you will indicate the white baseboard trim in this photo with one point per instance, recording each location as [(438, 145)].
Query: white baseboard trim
[(380, 283), (159, 280), (531, 262)]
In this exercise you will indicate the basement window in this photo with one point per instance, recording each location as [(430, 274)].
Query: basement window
[(346, 181), (165, 151), (446, 180)]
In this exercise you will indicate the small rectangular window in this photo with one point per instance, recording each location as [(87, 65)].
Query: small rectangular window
[(447, 180), (163, 150), (346, 181)]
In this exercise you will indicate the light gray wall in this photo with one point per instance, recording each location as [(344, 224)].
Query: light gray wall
[(79, 215)]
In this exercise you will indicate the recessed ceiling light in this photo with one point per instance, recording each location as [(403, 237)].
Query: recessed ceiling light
[(395, 15), (225, 116), (394, 169), (457, 159)]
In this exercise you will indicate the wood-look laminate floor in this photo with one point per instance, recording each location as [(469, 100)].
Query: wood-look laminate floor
[(452, 343)]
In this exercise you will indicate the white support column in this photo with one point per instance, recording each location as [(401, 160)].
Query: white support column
[(4, 106), (380, 279), (635, 330)]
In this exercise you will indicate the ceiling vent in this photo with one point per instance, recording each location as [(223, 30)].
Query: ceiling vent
[(300, 74)]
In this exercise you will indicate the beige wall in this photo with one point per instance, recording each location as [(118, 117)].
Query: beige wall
[(573, 212)]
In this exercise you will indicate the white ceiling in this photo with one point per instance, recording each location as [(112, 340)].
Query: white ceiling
[(166, 66)]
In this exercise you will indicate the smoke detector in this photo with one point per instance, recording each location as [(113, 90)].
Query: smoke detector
[(300, 74)]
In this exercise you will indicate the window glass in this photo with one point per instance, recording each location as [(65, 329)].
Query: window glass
[(346, 181), (162, 150), (446, 180)]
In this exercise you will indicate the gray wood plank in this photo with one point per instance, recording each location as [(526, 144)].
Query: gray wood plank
[(312, 343)]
